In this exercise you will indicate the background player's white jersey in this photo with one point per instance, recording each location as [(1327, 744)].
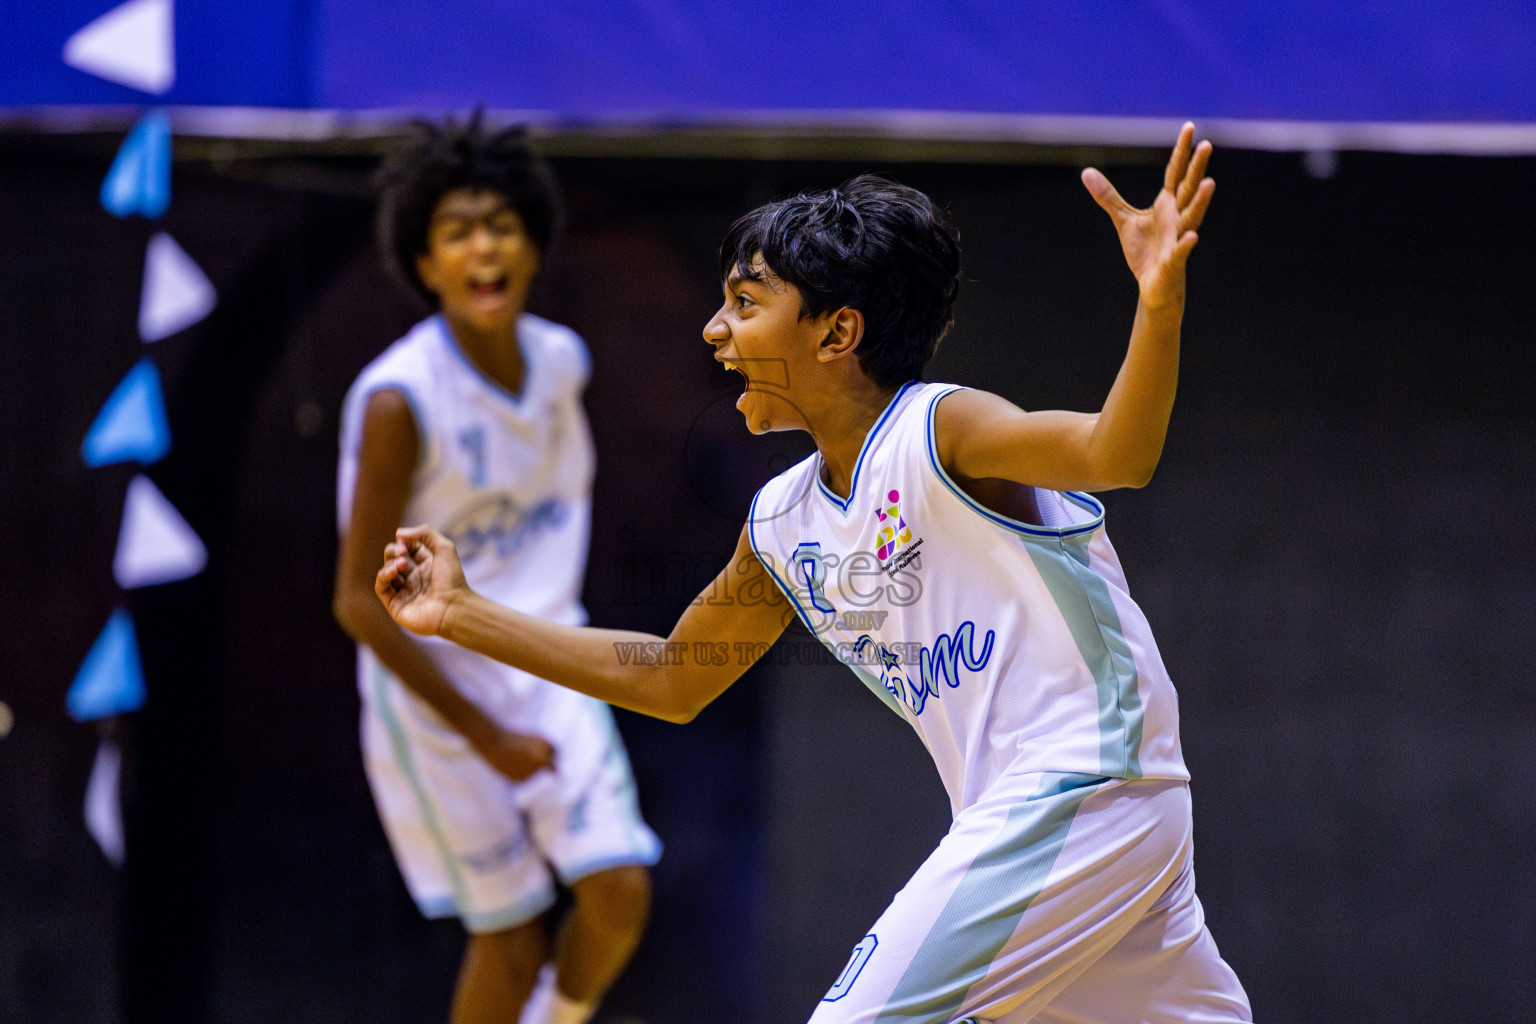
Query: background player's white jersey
[(507, 477), (1010, 647)]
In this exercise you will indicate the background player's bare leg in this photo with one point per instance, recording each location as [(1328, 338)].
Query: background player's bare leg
[(497, 973), (601, 930)]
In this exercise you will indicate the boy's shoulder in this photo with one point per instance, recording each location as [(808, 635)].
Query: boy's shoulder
[(556, 342)]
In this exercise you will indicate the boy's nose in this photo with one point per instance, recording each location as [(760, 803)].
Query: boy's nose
[(482, 240), (715, 332)]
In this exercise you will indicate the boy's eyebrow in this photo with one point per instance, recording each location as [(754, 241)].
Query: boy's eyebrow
[(764, 277), (452, 214)]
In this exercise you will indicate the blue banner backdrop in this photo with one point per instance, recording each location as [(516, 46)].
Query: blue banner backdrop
[(698, 60)]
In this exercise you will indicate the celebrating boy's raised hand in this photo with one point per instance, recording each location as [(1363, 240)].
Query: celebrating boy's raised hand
[(421, 576), (1157, 240)]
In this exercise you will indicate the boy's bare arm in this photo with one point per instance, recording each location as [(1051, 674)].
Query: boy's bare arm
[(981, 436), (386, 463), (743, 610)]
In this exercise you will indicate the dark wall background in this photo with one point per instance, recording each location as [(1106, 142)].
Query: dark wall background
[(1333, 556)]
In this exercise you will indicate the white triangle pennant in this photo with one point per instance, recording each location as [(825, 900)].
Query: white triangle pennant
[(154, 544), (132, 44), (176, 292), (104, 802)]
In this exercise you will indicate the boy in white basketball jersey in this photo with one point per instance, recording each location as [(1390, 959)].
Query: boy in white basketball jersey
[(941, 543), (491, 782)]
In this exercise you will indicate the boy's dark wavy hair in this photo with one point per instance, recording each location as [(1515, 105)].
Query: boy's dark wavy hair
[(433, 160), (870, 244)]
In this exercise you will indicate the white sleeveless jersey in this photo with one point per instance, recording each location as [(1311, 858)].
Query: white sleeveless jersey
[(1010, 647), (507, 477)]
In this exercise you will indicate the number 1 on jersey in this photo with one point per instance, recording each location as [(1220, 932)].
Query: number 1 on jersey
[(473, 443)]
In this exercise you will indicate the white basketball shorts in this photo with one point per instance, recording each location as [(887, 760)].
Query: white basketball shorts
[(472, 843), (1056, 899)]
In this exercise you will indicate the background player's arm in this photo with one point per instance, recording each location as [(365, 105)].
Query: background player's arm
[(981, 436), (423, 587), (386, 464)]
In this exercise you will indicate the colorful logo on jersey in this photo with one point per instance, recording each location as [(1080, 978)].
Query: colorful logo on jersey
[(895, 532)]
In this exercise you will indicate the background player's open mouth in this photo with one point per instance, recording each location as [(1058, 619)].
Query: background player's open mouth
[(495, 287)]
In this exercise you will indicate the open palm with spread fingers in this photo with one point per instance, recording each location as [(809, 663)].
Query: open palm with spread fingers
[(421, 577), (1157, 240)]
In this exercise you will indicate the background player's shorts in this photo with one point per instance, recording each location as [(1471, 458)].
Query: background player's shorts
[(1057, 899), (470, 842)]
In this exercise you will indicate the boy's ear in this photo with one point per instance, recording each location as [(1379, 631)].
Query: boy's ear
[(426, 269), (845, 328)]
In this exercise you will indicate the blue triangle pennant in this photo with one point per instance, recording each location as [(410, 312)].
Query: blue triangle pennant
[(111, 679), (140, 178), (132, 425)]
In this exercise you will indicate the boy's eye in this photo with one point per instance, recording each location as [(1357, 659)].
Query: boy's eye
[(742, 301)]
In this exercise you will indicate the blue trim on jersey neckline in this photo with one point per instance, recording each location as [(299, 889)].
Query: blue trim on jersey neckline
[(858, 464), (1086, 501), (516, 398)]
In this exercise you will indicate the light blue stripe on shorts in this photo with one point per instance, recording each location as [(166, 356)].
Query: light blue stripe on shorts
[(984, 910)]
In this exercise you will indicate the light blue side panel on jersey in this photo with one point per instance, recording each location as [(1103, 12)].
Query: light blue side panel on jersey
[(1084, 601), (1083, 598), (984, 910)]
